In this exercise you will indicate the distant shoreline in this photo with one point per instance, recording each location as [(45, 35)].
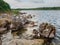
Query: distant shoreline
[(43, 8)]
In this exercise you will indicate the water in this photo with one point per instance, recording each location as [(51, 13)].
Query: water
[(50, 16)]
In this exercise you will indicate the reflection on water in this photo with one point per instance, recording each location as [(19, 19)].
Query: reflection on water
[(51, 16)]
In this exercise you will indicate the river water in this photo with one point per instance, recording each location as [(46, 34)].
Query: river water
[(50, 16)]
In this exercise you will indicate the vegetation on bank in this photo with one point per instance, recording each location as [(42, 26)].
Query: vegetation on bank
[(4, 7), (16, 12)]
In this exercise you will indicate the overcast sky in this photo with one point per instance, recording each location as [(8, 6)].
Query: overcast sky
[(33, 3)]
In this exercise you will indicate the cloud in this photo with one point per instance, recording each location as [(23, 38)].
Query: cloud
[(33, 3)]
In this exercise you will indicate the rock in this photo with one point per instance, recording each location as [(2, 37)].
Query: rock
[(16, 26), (27, 42), (4, 21), (47, 32), (2, 30), (36, 34), (0, 41), (32, 24), (6, 38), (29, 16), (4, 25), (23, 13)]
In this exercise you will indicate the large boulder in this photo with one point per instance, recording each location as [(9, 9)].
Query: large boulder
[(4, 25), (47, 32)]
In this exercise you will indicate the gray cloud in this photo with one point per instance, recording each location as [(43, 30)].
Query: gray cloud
[(33, 3)]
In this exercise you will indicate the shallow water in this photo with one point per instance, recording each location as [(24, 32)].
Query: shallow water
[(51, 16)]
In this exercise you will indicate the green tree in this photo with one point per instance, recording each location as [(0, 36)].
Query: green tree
[(4, 7)]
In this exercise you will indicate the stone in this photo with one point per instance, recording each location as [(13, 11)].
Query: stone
[(47, 32), (2, 30), (0, 41), (27, 42), (4, 25)]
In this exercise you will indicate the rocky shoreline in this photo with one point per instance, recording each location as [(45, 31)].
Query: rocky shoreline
[(21, 30)]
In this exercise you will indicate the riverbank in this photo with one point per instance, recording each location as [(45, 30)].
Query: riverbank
[(9, 37), (38, 17)]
